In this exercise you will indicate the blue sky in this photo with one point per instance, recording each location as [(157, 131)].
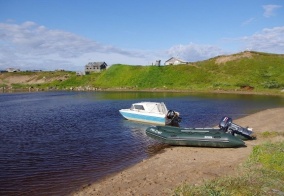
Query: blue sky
[(67, 34)]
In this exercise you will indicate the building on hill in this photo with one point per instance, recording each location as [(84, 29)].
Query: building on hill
[(80, 73), (95, 67), (158, 63), (12, 70), (174, 61)]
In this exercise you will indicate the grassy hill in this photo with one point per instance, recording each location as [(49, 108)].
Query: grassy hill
[(253, 71), (243, 71)]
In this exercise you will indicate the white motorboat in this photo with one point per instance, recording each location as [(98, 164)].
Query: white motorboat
[(151, 112)]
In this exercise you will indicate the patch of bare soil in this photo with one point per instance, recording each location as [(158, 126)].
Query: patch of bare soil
[(28, 79), (225, 59), (162, 173), (21, 80)]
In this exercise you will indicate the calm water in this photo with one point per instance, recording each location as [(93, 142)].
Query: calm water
[(54, 142)]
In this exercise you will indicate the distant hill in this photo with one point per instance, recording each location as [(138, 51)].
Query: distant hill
[(245, 71)]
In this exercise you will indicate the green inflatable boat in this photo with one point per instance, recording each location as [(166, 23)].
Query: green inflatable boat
[(227, 135)]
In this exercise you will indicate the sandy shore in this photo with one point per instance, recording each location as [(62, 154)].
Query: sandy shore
[(162, 173)]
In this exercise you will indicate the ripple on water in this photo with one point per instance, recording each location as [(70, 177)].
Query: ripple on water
[(53, 143)]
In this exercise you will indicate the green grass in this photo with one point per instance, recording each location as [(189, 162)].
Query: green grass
[(72, 81), (270, 134), (261, 72), (149, 77), (262, 174)]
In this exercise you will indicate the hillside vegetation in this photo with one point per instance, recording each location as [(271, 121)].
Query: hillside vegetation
[(246, 71)]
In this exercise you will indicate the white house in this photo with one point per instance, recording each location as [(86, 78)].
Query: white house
[(174, 61), (12, 70)]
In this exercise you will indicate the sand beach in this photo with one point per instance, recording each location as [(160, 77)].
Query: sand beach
[(173, 166)]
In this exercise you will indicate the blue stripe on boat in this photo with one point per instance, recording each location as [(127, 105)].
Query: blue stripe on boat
[(143, 118)]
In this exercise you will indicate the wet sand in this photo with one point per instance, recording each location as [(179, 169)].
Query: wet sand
[(162, 173)]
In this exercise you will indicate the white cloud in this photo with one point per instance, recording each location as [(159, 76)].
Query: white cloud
[(250, 20), (194, 52), (41, 41), (268, 40), (31, 46), (269, 10)]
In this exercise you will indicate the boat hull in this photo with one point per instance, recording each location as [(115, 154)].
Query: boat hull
[(205, 137), (143, 117)]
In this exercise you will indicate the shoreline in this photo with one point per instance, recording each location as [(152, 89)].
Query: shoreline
[(176, 165), (241, 92)]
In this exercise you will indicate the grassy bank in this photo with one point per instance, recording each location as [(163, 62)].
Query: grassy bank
[(247, 71), (262, 174), (256, 72)]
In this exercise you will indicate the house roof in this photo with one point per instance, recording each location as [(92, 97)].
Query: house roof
[(96, 64), (175, 59)]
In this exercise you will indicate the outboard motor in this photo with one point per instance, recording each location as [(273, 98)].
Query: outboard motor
[(227, 125), (173, 118)]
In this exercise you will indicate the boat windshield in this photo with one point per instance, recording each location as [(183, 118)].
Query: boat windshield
[(137, 107)]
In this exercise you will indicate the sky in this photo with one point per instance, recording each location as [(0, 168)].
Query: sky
[(67, 34)]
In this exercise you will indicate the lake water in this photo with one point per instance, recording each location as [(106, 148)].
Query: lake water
[(52, 143)]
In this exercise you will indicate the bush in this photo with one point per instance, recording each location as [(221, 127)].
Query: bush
[(271, 84)]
